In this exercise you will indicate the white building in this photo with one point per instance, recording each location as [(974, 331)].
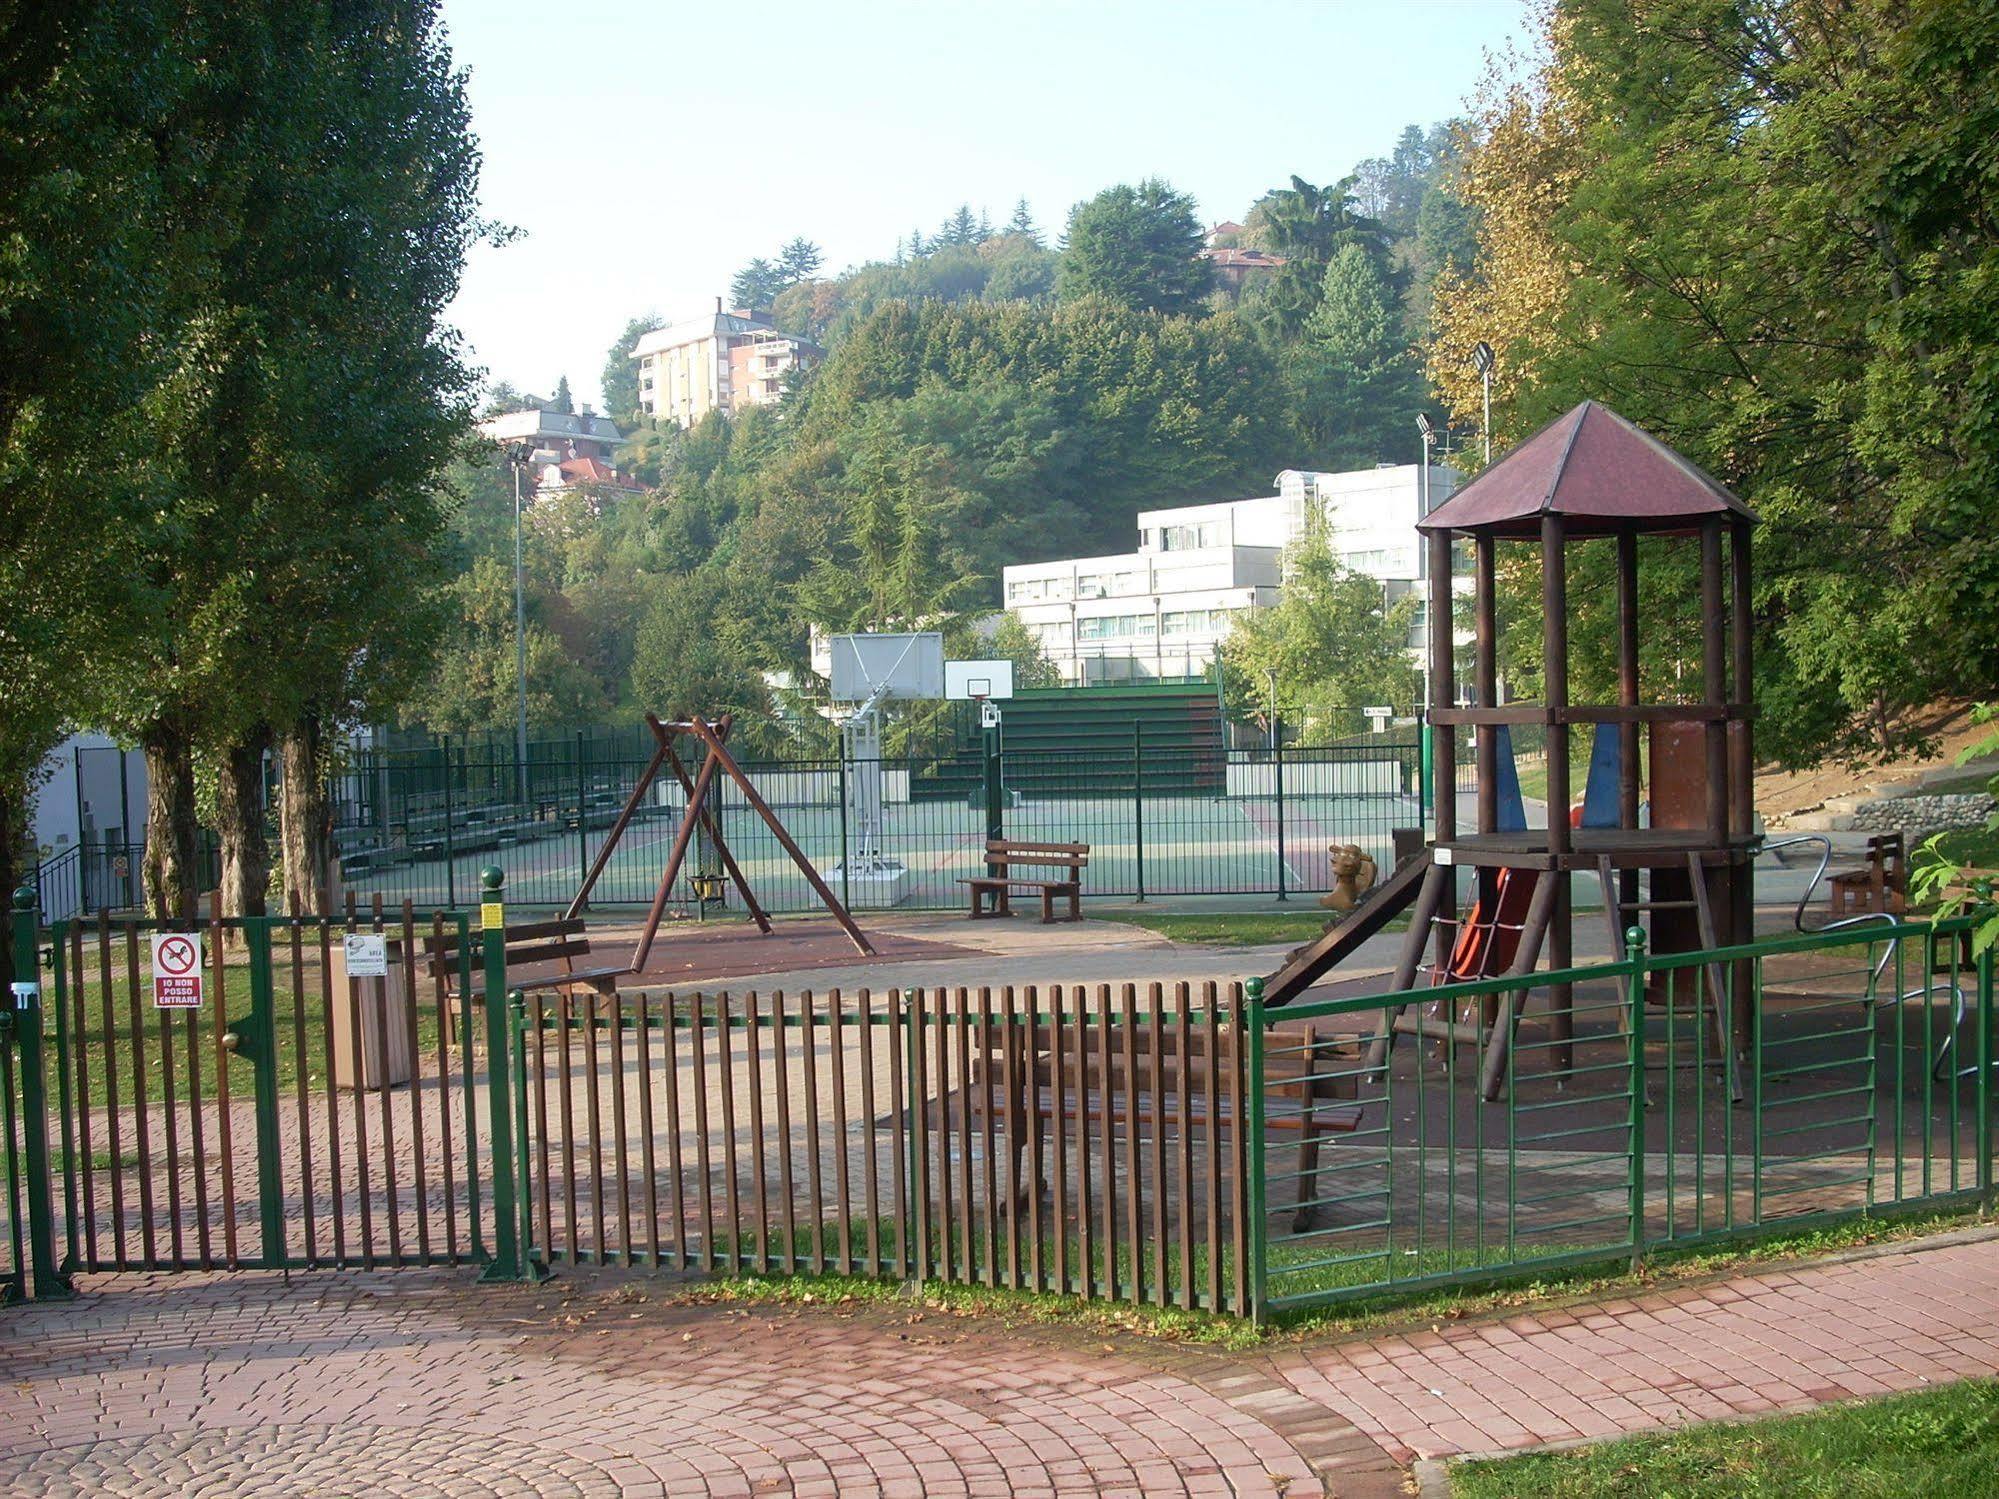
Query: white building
[(1161, 611), (720, 361)]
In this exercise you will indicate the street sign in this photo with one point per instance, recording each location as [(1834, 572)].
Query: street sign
[(177, 970), (367, 955)]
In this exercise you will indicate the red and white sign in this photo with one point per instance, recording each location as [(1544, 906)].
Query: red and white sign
[(177, 970)]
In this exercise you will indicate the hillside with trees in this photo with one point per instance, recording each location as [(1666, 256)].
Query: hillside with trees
[(986, 397)]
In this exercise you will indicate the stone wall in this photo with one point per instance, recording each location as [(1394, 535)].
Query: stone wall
[(1920, 815)]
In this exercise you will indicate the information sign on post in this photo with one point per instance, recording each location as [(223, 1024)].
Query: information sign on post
[(367, 955), (177, 970)]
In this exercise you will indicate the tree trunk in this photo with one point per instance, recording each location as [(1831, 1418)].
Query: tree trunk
[(304, 820), (173, 879), (239, 818)]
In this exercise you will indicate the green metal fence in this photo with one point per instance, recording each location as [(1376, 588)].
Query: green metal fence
[(1701, 1097), (1160, 819)]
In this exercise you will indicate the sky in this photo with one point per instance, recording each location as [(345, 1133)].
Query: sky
[(646, 150)]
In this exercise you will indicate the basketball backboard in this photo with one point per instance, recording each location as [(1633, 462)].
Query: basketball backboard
[(978, 679), (896, 666)]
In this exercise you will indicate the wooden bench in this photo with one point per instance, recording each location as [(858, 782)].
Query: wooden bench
[(1305, 1075), (1004, 855), (530, 944), (1881, 884)]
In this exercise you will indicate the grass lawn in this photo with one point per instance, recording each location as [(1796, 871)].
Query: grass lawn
[(1932, 1442), (1234, 928)]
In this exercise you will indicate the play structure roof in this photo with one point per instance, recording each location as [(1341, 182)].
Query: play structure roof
[(1599, 471)]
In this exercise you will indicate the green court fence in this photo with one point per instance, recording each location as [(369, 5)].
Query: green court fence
[(1161, 819)]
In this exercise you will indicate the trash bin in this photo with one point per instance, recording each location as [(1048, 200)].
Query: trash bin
[(382, 1008)]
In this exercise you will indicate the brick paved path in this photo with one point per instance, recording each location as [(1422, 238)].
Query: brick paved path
[(1742, 1347), (418, 1382)]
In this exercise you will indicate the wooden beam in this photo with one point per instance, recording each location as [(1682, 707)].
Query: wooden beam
[(719, 752), (681, 837), (617, 832), (1714, 678), (1555, 673), (714, 826), (1742, 635)]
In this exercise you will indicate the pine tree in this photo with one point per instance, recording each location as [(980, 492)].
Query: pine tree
[(562, 401), (798, 261), (1022, 222)]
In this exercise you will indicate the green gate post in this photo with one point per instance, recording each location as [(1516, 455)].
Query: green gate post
[(1138, 799), (1634, 1019), (257, 1042), (1982, 911), (50, 1283), (506, 1263), (1277, 755), (1259, 1257), (517, 1052)]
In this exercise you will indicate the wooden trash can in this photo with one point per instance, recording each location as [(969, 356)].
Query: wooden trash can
[(383, 1007)]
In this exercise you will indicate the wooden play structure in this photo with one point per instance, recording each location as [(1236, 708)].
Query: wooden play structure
[(1589, 474), (699, 788)]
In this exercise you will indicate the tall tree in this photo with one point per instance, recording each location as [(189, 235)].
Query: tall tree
[(90, 100), (1138, 247), (1307, 225), (1768, 234), (1022, 222), (798, 261), (562, 400), (755, 285), (1356, 376)]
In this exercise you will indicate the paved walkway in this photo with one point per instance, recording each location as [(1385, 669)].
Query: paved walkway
[(420, 1383)]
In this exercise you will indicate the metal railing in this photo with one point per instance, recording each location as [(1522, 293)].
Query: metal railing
[(1701, 1096)]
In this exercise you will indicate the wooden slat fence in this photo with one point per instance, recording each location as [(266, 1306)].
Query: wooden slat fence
[(1063, 1138)]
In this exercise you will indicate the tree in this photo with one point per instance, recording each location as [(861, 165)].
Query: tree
[(1307, 225), (620, 379), (960, 228), (562, 401), (1762, 234), (755, 285), (87, 114), (1137, 247), (798, 261), (1022, 222), (1355, 375), (1330, 642)]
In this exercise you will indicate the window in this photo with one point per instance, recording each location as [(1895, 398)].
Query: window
[(1116, 627), (1091, 585), (1026, 589)]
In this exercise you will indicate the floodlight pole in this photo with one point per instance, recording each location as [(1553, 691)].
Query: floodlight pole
[(1482, 359)]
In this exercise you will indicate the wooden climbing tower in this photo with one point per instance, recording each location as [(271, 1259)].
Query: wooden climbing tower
[(1590, 474)]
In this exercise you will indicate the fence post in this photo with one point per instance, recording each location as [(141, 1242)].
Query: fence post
[(1258, 1244), (506, 1263), (1983, 912), (260, 1047), (49, 1281), (582, 827), (995, 790), (517, 1055), (1425, 769), (1138, 798), (846, 872), (450, 872), (1634, 1020), (1277, 758)]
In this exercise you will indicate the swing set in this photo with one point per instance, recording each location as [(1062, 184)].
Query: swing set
[(700, 814)]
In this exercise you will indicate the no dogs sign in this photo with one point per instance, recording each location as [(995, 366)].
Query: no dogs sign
[(177, 970)]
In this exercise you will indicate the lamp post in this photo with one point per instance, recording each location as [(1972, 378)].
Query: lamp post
[(1481, 358), (517, 458)]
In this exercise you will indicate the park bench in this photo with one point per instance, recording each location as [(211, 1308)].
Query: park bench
[(1881, 884), (530, 945), (1305, 1075), (1005, 855)]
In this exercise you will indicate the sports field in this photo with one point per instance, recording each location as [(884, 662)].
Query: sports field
[(1182, 845)]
